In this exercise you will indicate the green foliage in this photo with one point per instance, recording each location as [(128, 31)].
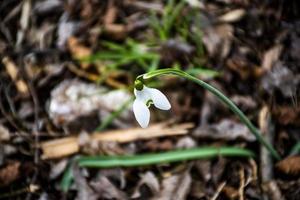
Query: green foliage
[(163, 26), (131, 52)]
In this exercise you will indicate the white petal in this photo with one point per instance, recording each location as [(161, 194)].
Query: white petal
[(141, 113), (159, 99), (142, 95)]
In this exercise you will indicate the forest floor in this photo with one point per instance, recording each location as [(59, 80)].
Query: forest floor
[(67, 71)]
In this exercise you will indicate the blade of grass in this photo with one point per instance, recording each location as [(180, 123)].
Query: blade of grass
[(150, 159), (165, 157)]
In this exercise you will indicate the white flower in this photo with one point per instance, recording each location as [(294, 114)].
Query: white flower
[(140, 108)]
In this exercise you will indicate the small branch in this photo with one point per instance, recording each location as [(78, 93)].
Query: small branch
[(267, 128), (69, 145)]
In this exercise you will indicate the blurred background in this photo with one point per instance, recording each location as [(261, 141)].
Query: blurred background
[(66, 89)]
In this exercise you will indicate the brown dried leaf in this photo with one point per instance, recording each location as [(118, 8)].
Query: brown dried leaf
[(287, 114), (9, 173), (117, 31), (290, 165), (230, 192), (111, 13), (79, 51)]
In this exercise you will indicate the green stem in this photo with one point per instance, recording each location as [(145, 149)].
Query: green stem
[(164, 157), (220, 96), (151, 158)]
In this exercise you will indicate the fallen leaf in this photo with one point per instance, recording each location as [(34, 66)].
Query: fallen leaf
[(287, 114), (280, 77), (13, 72), (65, 30), (111, 13), (175, 187), (148, 179), (9, 173), (270, 57), (58, 168), (106, 190), (4, 134), (79, 51), (226, 129), (84, 190), (217, 40), (289, 165), (232, 16), (73, 98)]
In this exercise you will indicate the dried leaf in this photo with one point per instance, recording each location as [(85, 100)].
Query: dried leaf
[(218, 39), (148, 179), (4, 133), (233, 16), (271, 57), (175, 187), (58, 168), (73, 98), (65, 30), (106, 190), (79, 51), (84, 190), (281, 78), (9, 173), (111, 13), (289, 165), (225, 130), (13, 71), (287, 114)]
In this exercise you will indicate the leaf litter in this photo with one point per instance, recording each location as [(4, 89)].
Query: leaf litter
[(54, 102)]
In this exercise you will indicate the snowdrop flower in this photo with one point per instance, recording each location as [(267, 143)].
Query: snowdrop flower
[(145, 97)]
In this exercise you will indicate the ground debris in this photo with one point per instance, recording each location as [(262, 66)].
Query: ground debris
[(290, 165), (9, 173), (175, 187), (73, 98), (224, 130)]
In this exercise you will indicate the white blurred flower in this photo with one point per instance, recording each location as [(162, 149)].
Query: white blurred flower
[(143, 98)]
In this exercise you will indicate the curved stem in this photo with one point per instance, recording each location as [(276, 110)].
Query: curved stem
[(220, 96)]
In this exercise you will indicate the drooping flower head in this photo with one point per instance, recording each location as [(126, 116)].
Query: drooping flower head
[(146, 96)]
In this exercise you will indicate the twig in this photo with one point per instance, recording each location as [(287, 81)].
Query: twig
[(242, 183), (219, 189), (267, 130), (24, 21), (69, 145)]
